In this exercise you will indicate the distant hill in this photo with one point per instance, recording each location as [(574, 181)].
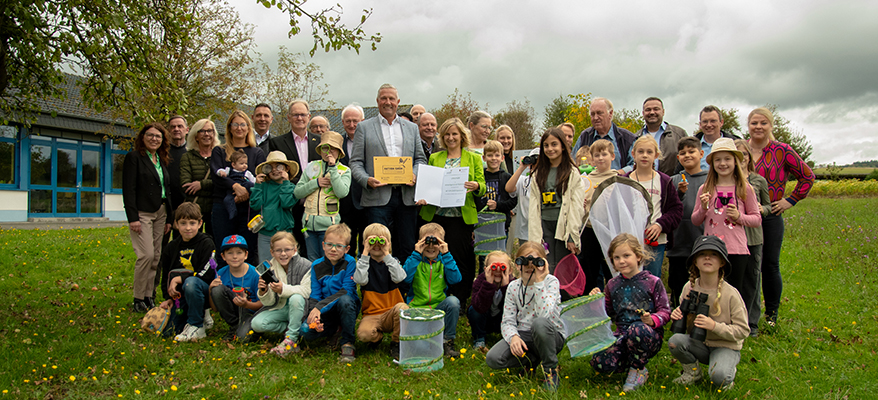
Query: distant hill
[(869, 164)]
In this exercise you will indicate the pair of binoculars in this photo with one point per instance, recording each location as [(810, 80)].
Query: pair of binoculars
[(549, 198), (498, 267), (723, 200), (529, 160), (535, 261), (695, 303), (431, 240), (377, 240)]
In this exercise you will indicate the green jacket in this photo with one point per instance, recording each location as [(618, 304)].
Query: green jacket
[(322, 205), (476, 173), (193, 168), (430, 279), (276, 200)]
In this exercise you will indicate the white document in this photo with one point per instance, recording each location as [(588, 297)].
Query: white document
[(442, 187)]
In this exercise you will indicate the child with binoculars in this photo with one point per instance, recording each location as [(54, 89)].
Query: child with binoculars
[(718, 333), (489, 297)]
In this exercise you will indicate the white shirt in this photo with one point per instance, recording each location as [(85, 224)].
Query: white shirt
[(260, 139), (392, 132)]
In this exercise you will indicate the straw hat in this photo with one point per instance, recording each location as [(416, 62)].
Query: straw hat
[(279, 157), (725, 144), (332, 139)]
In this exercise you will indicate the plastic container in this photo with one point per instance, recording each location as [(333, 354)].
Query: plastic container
[(490, 233), (587, 325), (420, 339)]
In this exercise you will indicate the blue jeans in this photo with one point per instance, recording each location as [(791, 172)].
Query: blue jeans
[(402, 220), (192, 302), (655, 266), (342, 315), (451, 306), (772, 283), (482, 324), (314, 244)]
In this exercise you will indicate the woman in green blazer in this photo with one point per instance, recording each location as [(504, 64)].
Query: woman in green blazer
[(459, 222)]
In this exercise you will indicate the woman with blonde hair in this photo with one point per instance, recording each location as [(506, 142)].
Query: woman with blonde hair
[(239, 136), (194, 167), (777, 162), (506, 137)]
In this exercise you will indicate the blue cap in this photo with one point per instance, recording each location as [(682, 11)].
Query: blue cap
[(233, 241)]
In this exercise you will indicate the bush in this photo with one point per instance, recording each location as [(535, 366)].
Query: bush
[(873, 176), (840, 188)]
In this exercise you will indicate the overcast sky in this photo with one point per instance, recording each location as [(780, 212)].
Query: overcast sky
[(817, 60)]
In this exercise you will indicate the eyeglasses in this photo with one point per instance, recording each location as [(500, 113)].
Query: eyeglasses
[(268, 168), (301, 116), (238, 125), (335, 246), (152, 136), (486, 127), (317, 126), (282, 251), (207, 131), (377, 239)]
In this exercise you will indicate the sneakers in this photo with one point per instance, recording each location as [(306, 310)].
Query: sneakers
[(479, 345), (636, 379), (551, 379), (140, 306), (450, 349), (728, 387), (208, 320), (285, 348), (394, 350), (347, 353), (190, 334), (691, 374)]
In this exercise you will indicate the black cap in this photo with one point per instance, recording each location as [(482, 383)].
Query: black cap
[(714, 243)]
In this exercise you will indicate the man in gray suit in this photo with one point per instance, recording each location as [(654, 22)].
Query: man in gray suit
[(390, 205)]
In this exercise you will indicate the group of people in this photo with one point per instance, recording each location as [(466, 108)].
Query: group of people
[(325, 225)]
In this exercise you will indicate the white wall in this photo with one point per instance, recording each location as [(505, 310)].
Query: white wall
[(13, 206), (113, 207)]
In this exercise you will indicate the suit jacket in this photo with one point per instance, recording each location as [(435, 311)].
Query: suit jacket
[(668, 146), (624, 140), (265, 144), (356, 189), (368, 143), (287, 145), (141, 187)]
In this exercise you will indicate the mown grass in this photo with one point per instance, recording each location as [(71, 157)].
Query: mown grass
[(60, 342)]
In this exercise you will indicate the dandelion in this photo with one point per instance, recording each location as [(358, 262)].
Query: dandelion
[(136, 391), (72, 378), (405, 393), (234, 387), (462, 351), (174, 387), (488, 386)]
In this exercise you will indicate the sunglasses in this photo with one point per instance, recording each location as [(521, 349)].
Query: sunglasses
[(378, 240), (498, 267), (535, 261)]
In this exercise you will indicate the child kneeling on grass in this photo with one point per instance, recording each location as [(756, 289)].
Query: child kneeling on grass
[(233, 292), (726, 323), (489, 297), (284, 300), (379, 274), (637, 302), (334, 303), (430, 270), (186, 274), (532, 328)]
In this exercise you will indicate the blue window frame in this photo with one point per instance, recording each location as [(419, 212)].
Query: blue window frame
[(9, 157), (66, 177)]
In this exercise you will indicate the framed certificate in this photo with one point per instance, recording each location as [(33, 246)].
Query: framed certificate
[(393, 170)]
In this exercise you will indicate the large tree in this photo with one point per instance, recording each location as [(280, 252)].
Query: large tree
[(519, 115), (458, 105), (556, 112), (137, 57), (293, 78)]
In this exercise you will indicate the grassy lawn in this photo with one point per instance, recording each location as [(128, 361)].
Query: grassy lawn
[(846, 171), (67, 333)]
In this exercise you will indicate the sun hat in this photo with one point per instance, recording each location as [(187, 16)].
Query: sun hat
[(331, 139), (233, 241), (279, 157), (725, 144), (709, 242)]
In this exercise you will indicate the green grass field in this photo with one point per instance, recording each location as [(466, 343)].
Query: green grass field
[(846, 171), (67, 333)]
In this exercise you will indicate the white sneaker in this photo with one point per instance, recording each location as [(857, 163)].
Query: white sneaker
[(691, 374), (190, 334), (208, 320)]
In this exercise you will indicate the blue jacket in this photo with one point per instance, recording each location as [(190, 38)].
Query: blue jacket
[(329, 282)]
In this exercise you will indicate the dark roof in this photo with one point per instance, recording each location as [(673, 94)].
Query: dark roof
[(334, 115), (72, 114)]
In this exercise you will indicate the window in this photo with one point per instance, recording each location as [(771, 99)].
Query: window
[(8, 145)]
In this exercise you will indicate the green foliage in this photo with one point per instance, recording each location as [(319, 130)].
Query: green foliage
[(834, 171), (784, 132), (520, 117), (870, 163), (629, 119), (293, 78), (873, 176), (840, 188), (457, 105), (730, 121), (144, 61), (68, 294), (556, 112), (577, 112)]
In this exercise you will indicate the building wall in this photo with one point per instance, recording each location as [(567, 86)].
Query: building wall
[(113, 208), (13, 206)]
